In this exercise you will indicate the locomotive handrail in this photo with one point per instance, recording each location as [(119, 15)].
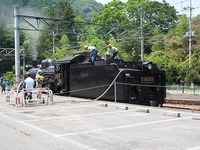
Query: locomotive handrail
[(89, 88), (83, 89), (145, 85)]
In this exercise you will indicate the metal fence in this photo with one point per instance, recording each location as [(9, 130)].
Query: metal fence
[(193, 89)]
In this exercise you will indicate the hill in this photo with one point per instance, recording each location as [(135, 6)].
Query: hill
[(83, 8)]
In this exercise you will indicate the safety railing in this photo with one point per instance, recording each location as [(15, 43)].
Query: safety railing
[(23, 97), (38, 95), (177, 89)]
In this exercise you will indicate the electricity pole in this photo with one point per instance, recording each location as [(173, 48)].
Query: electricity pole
[(54, 41), (142, 36), (17, 55), (190, 34)]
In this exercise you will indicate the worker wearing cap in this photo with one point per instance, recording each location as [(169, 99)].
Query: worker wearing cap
[(93, 52), (114, 51)]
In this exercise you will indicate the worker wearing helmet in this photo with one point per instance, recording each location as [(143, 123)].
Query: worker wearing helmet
[(114, 51), (36, 77), (39, 83), (93, 52)]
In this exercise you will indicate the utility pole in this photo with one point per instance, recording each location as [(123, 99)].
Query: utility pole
[(190, 34), (54, 41), (142, 36), (17, 55)]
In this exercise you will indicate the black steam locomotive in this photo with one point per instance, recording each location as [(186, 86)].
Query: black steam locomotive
[(127, 82)]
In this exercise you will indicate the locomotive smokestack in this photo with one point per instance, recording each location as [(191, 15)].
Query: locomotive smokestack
[(34, 63)]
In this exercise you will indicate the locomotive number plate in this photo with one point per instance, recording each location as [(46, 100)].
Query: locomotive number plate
[(147, 79)]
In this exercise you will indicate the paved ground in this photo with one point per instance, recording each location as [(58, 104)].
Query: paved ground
[(80, 124)]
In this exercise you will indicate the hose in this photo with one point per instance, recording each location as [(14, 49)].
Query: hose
[(121, 70)]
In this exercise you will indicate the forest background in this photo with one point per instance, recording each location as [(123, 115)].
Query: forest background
[(124, 25)]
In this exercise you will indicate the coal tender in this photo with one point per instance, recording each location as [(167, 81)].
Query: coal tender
[(120, 81)]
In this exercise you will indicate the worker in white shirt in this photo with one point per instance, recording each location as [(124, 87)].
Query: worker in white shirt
[(93, 53), (29, 86), (114, 51)]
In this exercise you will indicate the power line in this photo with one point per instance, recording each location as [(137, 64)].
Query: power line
[(181, 2)]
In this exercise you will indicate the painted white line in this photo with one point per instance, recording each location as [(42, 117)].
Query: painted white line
[(48, 133), (44, 108), (75, 116), (121, 127), (39, 129), (51, 134)]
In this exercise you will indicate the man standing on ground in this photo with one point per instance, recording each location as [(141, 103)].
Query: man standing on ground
[(39, 82), (28, 85), (3, 84)]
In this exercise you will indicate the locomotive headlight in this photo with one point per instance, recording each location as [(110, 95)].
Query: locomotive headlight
[(139, 89), (147, 66), (158, 89)]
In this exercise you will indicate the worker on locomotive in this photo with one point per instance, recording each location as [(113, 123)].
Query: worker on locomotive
[(114, 51), (93, 53)]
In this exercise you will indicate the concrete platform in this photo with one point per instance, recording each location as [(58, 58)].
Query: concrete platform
[(82, 124)]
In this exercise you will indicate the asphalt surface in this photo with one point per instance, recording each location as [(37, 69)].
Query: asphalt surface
[(82, 124)]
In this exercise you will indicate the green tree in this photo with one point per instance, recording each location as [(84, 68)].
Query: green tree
[(63, 50), (111, 13), (61, 10), (85, 8), (155, 16), (3, 33)]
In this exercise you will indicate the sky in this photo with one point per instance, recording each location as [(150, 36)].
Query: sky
[(178, 4)]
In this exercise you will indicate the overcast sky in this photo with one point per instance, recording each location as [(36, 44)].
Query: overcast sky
[(178, 4)]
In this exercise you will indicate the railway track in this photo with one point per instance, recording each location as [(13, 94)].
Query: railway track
[(183, 101)]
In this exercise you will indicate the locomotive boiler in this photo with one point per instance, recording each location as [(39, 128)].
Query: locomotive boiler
[(126, 82)]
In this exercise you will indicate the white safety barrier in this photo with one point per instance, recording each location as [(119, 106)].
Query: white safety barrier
[(22, 98), (7, 99), (18, 96), (45, 96), (15, 97)]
